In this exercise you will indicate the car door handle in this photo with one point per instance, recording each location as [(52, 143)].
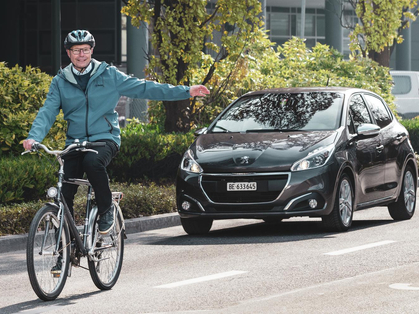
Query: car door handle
[(379, 148)]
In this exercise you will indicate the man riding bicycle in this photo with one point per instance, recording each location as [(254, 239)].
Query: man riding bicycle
[(88, 91)]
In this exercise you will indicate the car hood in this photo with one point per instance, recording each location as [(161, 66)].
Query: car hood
[(256, 152)]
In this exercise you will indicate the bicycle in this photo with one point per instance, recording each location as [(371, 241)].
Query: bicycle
[(55, 244)]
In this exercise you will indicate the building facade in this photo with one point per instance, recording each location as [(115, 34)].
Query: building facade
[(322, 23), (28, 30), (33, 30)]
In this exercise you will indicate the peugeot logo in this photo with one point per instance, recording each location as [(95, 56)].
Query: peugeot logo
[(244, 160)]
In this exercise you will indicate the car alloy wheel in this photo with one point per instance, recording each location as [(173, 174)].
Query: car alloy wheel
[(404, 208), (340, 219), (409, 192), (345, 202)]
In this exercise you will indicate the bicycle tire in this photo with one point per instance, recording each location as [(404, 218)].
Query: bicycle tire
[(105, 272), (44, 229)]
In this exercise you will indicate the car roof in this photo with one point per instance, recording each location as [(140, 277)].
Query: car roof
[(344, 90)]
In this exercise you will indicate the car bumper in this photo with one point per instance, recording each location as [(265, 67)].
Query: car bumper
[(302, 193)]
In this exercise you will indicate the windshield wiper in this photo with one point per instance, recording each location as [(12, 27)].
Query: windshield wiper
[(221, 128)]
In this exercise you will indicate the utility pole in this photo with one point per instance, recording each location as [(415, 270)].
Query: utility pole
[(303, 17)]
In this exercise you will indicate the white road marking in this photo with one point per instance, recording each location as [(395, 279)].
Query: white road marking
[(43, 309), (201, 279), (358, 248), (403, 286)]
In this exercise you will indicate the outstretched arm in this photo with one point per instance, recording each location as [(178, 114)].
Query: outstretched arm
[(198, 90)]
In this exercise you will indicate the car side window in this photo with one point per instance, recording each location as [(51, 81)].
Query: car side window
[(358, 112), (379, 111)]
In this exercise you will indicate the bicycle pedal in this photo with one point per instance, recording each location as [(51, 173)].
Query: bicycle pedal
[(56, 275)]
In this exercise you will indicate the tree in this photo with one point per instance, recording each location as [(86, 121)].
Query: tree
[(380, 25), (295, 65), (192, 36)]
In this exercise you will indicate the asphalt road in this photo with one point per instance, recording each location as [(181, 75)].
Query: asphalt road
[(245, 266)]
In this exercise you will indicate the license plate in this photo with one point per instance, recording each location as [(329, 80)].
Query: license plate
[(241, 186)]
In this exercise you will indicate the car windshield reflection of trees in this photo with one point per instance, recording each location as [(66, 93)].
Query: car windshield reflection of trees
[(283, 112)]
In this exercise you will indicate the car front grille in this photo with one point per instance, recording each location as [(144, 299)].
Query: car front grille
[(269, 187)]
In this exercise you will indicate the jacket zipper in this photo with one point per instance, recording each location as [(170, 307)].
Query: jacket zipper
[(110, 124), (87, 116), (87, 101), (87, 105)]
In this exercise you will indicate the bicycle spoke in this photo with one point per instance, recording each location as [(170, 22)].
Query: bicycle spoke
[(105, 264), (46, 279)]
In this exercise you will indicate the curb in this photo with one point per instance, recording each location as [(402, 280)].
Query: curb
[(18, 242)]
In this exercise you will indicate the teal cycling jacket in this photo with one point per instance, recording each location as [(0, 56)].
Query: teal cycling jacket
[(91, 114)]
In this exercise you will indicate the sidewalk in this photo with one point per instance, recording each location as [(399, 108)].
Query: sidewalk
[(18, 242)]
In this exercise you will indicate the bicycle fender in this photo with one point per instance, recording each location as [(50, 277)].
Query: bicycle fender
[(53, 204), (120, 215)]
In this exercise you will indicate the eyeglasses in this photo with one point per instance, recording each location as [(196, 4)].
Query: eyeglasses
[(76, 52)]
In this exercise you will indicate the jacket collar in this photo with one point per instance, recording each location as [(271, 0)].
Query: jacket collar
[(66, 73)]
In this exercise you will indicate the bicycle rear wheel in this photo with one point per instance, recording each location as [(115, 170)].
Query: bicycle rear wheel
[(105, 266), (47, 268)]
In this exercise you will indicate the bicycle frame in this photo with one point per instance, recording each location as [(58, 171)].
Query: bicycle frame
[(64, 214), (86, 246), (84, 243)]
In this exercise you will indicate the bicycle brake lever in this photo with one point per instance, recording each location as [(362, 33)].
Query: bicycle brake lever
[(90, 150), (26, 151), (82, 149)]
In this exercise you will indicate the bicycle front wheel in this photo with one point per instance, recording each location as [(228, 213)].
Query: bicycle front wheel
[(47, 268), (106, 263)]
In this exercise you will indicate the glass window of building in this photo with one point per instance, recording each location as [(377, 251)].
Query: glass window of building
[(283, 23)]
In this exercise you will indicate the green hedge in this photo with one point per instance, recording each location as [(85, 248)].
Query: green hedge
[(146, 199), (146, 153), (22, 93), (413, 127), (25, 178), (16, 218), (139, 200)]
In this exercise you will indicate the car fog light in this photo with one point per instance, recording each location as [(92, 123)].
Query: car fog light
[(52, 192), (312, 203), (186, 205)]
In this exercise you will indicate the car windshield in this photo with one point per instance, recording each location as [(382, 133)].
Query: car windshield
[(282, 112)]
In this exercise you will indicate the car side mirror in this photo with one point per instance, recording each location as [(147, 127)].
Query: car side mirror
[(200, 131), (368, 130)]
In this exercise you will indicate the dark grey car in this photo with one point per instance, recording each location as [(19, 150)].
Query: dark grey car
[(317, 152)]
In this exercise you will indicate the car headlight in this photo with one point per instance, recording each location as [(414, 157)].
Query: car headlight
[(189, 164), (314, 159)]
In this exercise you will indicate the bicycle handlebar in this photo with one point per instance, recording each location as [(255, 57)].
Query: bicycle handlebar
[(85, 147)]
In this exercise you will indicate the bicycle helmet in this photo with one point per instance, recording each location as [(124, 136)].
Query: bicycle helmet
[(79, 37)]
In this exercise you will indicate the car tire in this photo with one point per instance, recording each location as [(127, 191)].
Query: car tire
[(196, 226), (340, 219), (404, 207)]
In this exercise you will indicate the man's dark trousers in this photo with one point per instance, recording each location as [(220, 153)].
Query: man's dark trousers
[(94, 165)]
